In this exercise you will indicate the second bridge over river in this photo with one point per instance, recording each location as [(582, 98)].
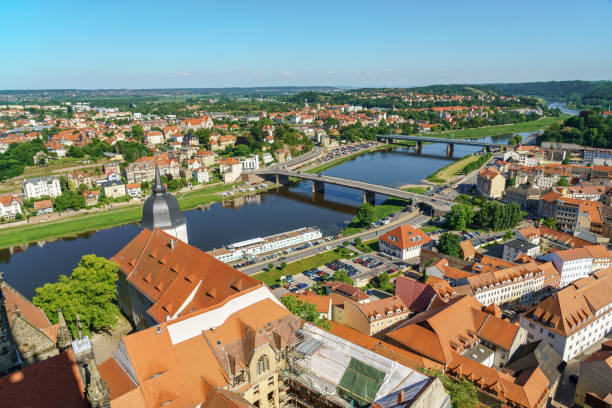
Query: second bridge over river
[(450, 143)]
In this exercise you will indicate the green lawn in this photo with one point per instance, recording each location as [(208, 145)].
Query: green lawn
[(388, 206), (272, 276), (451, 170), (416, 190), (368, 246), (532, 126)]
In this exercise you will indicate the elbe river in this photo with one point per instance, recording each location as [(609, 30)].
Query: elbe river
[(264, 214)]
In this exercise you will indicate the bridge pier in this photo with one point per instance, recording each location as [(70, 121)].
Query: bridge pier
[(318, 187), (369, 197), (418, 147), (282, 179), (450, 148)]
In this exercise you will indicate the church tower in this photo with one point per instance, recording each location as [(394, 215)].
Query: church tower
[(161, 210)]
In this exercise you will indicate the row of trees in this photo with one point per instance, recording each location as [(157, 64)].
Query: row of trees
[(468, 168), (491, 214), (18, 156), (586, 129)]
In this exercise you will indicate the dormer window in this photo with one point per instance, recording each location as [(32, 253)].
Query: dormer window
[(378, 316)]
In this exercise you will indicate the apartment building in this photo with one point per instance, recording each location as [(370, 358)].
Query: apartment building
[(250, 163), (575, 317), (490, 183), (516, 247), (404, 242), (527, 198), (48, 186), (374, 317), (10, 206), (572, 264), (230, 169), (518, 283)]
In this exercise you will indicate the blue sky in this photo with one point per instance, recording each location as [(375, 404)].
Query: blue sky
[(154, 44)]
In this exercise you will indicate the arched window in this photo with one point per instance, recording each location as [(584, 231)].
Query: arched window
[(263, 364)]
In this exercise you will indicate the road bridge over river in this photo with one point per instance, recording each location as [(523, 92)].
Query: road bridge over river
[(450, 143), (282, 175)]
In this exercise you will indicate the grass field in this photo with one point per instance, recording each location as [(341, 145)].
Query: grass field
[(272, 276), (451, 170), (532, 126), (368, 246), (416, 190), (107, 219), (387, 207)]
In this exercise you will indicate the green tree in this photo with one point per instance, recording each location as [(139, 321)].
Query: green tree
[(550, 223), (304, 310), (510, 182), (357, 241), (508, 234), (283, 265), (383, 282), (270, 265), (138, 133), (365, 214), (450, 244), (89, 292), (563, 182), (459, 217), (566, 161), (342, 276), (463, 393), (69, 200)]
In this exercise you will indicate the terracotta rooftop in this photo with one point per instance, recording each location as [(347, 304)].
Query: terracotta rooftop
[(172, 375), (405, 236), (347, 290), (437, 333), (576, 305), (168, 271), (52, 383)]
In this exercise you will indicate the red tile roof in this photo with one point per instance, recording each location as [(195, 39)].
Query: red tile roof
[(52, 383), (405, 236), (168, 276)]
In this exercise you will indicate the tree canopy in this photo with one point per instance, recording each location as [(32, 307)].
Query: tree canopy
[(450, 244), (460, 216), (586, 129), (365, 214), (304, 310), (498, 216), (342, 276), (89, 292)]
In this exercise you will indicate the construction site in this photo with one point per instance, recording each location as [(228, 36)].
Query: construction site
[(325, 370)]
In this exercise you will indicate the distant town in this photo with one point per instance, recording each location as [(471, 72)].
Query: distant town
[(443, 246)]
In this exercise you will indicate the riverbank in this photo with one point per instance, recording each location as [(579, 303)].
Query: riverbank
[(73, 226), (451, 170), (387, 207), (485, 131)]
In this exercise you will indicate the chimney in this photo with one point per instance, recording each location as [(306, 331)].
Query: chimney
[(400, 396), (172, 244)]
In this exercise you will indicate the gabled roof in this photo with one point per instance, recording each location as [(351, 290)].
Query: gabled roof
[(168, 271), (416, 296), (537, 354), (174, 373), (574, 306), (438, 332), (405, 236)]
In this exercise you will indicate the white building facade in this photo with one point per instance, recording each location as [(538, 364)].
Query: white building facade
[(42, 187)]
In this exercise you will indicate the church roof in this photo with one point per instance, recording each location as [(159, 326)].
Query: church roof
[(161, 209)]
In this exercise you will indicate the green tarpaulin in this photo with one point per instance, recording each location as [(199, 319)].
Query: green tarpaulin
[(360, 382)]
